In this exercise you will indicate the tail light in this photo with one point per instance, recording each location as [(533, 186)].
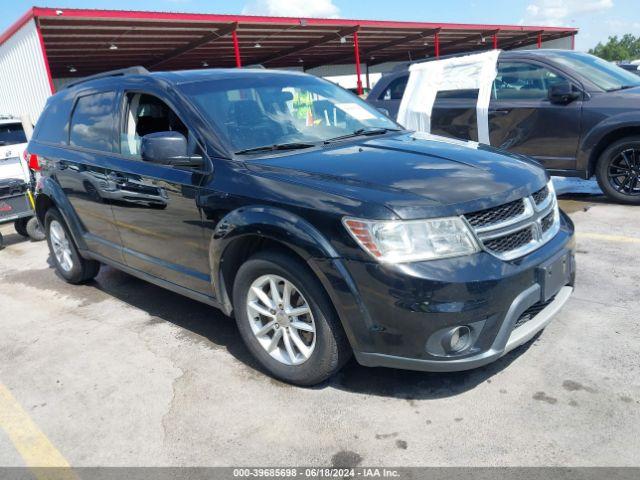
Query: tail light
[(33, 161)]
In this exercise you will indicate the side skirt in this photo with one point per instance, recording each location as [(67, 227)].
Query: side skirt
[(155, 280)]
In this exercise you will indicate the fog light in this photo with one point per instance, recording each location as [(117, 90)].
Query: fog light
[(457, 339)]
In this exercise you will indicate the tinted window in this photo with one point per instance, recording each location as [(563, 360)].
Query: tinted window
[(524, 81), (395, 90), (53, 125), (11, 134), (147, 114), (92, 122)]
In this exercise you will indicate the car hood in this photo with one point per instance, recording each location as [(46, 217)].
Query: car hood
[(414, 175)]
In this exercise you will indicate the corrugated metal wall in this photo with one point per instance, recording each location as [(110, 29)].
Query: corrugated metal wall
[(24, 84)]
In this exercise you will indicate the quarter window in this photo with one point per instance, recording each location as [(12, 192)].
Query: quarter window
[(524, 81), (92, 122)]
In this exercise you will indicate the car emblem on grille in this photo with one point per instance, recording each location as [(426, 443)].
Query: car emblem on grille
[(5, 207)]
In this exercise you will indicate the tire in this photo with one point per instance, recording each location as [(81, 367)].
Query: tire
[(1, 242), (21, 226), (72, 267), (329, 348), (34, 230), (614, 188)]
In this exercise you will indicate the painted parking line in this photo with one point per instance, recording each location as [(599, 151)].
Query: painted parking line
[(33, 446), (609, 238)]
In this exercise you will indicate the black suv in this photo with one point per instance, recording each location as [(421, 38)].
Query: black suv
[(575, 113), (317, 222)]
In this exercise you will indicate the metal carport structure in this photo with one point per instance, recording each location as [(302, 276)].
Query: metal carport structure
[(49, 45)]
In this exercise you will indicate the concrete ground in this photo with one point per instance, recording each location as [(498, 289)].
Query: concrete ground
[(123, 373)]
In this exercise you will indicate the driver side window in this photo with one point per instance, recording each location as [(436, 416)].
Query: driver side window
[(523, 81), (145, 114)]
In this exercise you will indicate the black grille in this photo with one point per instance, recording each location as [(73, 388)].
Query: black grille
[(547, 222), (490, 216), (510, 242), (541, 195), (531, 312)]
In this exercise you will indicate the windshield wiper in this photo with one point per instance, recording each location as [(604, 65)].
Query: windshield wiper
[(277, 146), (621, 87), (363, 131)]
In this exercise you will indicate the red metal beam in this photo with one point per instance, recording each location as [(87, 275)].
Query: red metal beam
[(436, 43), (495, 41), (540, 39), (45, 59), (356, 50), (236, 49), (89, 14)]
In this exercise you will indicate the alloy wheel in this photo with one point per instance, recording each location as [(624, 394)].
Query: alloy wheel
[(61, 246), (624, 171), (281, 319)]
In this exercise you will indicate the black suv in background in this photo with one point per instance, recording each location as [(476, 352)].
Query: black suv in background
[(575, 113), (317, 222)]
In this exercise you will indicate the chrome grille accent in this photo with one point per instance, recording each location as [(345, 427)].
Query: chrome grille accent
[(512, 230)]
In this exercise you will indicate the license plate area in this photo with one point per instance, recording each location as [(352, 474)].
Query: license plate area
[(12, 206), (554, 274)]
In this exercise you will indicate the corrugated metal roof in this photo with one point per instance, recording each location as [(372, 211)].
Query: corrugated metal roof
[(89, 41)]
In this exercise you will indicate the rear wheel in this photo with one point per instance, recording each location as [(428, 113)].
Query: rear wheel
[(287, 321), (618, 171), (68, 262)]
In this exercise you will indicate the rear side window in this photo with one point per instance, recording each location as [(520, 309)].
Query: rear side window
[(92, 122), (395, 90), (11, 134), (53, 125)]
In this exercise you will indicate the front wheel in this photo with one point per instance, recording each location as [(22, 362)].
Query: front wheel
[(287, 321), (618, 171)]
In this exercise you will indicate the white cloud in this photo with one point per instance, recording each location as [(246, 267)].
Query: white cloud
[(562, 12), (292, 8)]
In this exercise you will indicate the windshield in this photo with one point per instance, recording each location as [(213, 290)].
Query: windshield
[(12, 134), (261, 110), (605, 75)]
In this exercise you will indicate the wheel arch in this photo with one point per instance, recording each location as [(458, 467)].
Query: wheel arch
[(50, 195), (245, 231), (598, 141)]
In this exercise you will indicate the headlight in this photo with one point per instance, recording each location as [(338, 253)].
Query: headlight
[(414, 240)]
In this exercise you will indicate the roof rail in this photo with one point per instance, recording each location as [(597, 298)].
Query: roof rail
[(138, 70)]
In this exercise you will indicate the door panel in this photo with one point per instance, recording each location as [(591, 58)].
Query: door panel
[(454, 114), (82, 171), (159, 221), (523, 120), (156, 206)]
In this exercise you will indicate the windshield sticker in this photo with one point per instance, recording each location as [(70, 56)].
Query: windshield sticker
[(356, 111)]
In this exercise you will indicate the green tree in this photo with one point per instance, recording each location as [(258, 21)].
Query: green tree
[(618, 49)]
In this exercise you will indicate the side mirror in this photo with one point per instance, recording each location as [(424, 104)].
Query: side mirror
[(562, 93), (168, 148)]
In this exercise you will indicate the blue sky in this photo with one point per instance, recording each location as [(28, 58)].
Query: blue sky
[(597, 19)]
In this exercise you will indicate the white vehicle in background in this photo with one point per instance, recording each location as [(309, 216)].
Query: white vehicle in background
[(16, 201)]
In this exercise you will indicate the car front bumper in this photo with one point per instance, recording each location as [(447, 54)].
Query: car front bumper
[(395, 314)]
